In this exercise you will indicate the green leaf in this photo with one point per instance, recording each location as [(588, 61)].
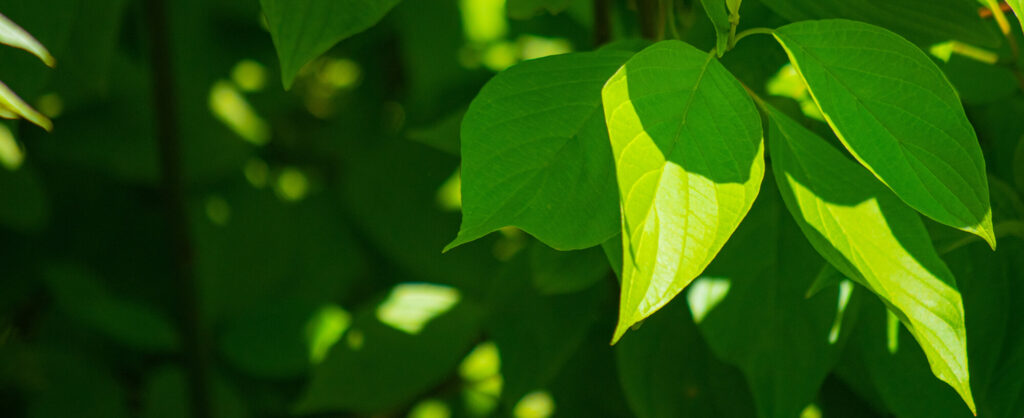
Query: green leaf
[(376, 367), (11, 107), (84, 297), (535, 153), (925, 22), (751, 307), (1018, 9), (559, 272), (689, 158), (13, 35), (895, 111), (667, 370), (525, 9), (720, 20), (870, 236), (306, 29)]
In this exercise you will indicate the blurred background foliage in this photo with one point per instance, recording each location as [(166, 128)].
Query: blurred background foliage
[(317, 216)]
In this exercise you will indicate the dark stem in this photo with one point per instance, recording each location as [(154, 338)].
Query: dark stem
[(172, 184), (602, 22), (650, 20)]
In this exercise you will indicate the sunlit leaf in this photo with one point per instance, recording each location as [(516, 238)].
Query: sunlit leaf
[(1018, 9), (535, 153), (304, 30), (870, 236), (12, 106), (13, 35), (689, 159), (898, 115)]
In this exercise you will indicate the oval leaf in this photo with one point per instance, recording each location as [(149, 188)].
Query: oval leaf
[(869, 235), (689, 161), (892, 107), (535, 153), (302, 30)]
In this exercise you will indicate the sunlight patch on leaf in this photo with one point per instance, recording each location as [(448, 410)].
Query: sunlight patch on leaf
[(787, 83), (292, 184), (249, 75), (845, 291), (537, 404), (482, 363), (11, 155), (324, 329), (410, 306), (231, 108), (449, 195), (483, 21), (705, 293), (430, 408)]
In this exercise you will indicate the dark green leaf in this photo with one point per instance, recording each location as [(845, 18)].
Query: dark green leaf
[(304, 30), (535, 153)]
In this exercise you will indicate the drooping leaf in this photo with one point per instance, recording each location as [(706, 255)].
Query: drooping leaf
[(1018, 9), (535, 153), (689, 159), (895, 111), (924, 22), (13, 35), (720, 20), (870, 236), (11, 107), (751, 307), (304, 30)]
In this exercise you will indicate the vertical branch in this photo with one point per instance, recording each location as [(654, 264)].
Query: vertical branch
[(172, 185), (602, 22), (650, 20)]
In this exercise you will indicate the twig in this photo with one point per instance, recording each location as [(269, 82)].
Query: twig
[(172, 184)]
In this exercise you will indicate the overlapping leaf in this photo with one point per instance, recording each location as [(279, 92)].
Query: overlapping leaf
[(535, 153), (689, 160), (898, 115), (872, 237), (719, 17)]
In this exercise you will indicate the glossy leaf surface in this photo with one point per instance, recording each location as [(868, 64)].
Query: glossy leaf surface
[(689, 160), (896, 112)]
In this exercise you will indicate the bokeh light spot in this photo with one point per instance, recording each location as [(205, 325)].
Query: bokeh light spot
[(410, 306)]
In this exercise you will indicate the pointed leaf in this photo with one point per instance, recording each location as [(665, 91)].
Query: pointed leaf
[(535, 153), (13, 35), (11, 107), (870, 236), (689, 159), (720, 20), (892, 107), (302, 30), (1018, 9)]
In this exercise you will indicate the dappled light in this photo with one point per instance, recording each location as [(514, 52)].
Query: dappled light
[(231, 107), (705, 294), (411, 306), (292, 184), (845, 291), (249, 75), (11, 155), (537, 404), (482, 380), (788, 83), (217, 210), (449, 195), (430, 408), (324, 329)]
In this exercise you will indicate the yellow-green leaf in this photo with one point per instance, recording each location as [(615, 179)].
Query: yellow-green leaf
[(689, 161), (13, 35), (11, 107), (869, 235)]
